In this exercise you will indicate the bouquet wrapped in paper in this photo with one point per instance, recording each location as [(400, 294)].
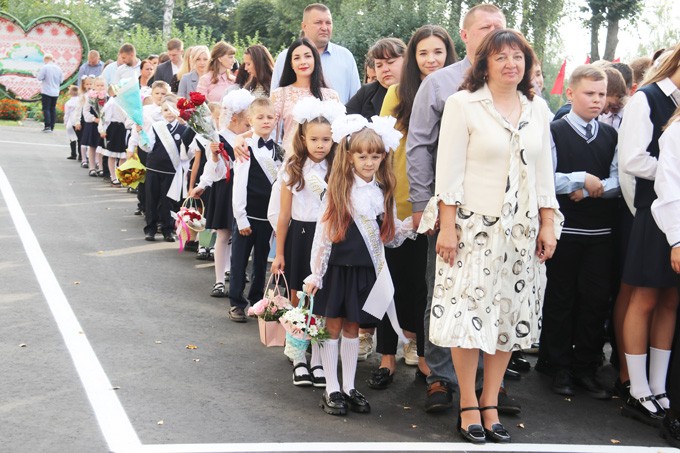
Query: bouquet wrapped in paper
[(302, 326), (131, 172), (189, 220), (97, 100), (273, 305), (129, 99), (197, 115)]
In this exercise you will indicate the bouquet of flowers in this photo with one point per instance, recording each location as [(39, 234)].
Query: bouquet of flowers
[(189, 221), (131, 172), (273, 305), (302, 327), (97, 99), (197, 115)]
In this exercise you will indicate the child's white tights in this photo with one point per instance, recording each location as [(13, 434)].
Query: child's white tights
[(222, 254)]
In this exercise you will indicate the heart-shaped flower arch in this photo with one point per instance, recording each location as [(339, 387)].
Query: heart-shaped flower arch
[(22, 49)]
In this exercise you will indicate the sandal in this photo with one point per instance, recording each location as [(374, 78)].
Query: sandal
[(202, 254), (83, 165), (317, 381), (100, 173), (115, 182), (218, 290), (92, 173)]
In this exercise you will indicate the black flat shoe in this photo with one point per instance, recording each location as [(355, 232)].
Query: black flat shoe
[(304, 379), (320, 381), (506, 404), (150, 237), (497, 433), (474, 433), (633, 408), (169, 237), (333, 404), (622, 389), (380, 379), (512, 375), (670, 430), (518, 362), (563, 383), (591, 386), (357, 402)]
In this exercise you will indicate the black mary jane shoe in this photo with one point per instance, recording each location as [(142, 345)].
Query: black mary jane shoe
[(357, 402), (518, 362), (633, 408), (319, 381), (304, 379), (474, 433), (497, 433), (333, 404), (380, 379)]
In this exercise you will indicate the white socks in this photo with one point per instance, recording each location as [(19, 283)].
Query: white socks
[(316, 361), (639, 386), (329, 359), (349, 352), (222, 254), (658, 369)]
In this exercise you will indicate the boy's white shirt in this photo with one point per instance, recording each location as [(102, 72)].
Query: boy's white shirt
[(180, 157), (241, 169), (215, 171), (150, 113)]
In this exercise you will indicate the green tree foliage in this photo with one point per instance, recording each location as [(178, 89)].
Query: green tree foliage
[(609, 13)]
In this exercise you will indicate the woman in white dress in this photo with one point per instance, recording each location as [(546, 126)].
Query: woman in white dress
[(497, 211)]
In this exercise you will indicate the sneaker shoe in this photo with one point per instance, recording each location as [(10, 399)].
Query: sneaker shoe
[(365, 346), (411, 353), (439, 397), (237, 314)]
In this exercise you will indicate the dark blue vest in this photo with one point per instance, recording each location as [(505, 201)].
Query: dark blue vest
[(158, 159), (574, 153), (661, 109)]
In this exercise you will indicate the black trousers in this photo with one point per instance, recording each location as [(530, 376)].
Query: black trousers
[(576, 303), (241, 246), (141, 191), (407, 265), (49, 109), (158, 204)]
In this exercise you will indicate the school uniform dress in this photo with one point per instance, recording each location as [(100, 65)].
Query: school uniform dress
[(253, 181), (580, 272), (160, 175), (219, 214), (90, 131), (117, 134), (305, 209), (647, 112)]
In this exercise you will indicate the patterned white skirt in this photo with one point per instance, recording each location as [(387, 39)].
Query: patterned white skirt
[(491, 298)]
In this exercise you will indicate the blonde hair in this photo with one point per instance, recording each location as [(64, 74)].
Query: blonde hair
[(338, 214), (586, 71), (668, 64), (160, 84), (186, 63)]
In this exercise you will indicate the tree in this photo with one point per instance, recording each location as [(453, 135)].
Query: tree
[(610, 12), (167, 18)]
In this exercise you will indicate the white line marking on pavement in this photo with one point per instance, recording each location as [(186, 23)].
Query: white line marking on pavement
[(33, 144), (395, 446), (113, 421)]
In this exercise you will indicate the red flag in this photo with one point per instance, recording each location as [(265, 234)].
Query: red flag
[(616, 60), (559, 81), (587, 60)]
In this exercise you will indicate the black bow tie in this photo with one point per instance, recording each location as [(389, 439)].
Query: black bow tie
[(269, 144)]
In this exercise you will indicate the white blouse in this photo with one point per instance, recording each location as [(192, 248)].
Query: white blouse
[(307, 202), (666, 208)]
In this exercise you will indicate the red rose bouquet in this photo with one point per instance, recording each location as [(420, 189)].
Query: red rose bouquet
[(197, 115)]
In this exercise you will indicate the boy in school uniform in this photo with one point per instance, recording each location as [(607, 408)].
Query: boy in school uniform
[(168, 140), (253, 180), (579, 275)]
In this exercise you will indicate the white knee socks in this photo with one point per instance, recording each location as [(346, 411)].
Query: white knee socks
[(349, 352), (329, 359), (316, 360), (222, 254), (639, 386), (658, 369)]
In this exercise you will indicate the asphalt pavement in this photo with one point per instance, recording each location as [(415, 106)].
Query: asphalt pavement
[(140, 304)]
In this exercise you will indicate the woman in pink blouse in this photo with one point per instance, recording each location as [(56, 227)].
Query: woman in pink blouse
[(215, 83), (301, 77)]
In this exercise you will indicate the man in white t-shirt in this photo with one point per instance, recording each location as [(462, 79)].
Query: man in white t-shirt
[(129, 68)]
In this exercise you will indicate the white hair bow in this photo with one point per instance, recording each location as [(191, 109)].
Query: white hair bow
[(310, 108), (381, 125), (235, 101)]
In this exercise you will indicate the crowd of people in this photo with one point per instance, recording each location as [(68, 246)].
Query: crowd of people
[(441, 203)]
